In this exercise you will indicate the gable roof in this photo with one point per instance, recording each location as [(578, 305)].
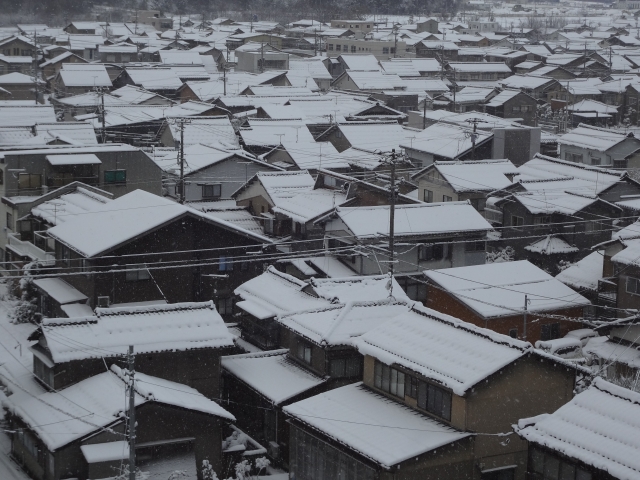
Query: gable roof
[(456, 354), (353, 416), (474, 176), (600, 427), (498, 289), (126, 218), (85, 75), (416, 220), (343, 323), (155, 328), (446, 140), (272, 374), (59, 418), (599, 139), (363, 63)]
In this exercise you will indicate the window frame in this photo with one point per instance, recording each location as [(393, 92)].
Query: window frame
[(304, 352), (137, 273), (216, 190), (120, 172)]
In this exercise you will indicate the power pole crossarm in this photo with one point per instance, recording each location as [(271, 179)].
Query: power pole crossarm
[(132, 417)]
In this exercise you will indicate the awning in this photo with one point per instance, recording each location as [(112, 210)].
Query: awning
[(59, 290), (78, 159), (105, 452), (77, 310)]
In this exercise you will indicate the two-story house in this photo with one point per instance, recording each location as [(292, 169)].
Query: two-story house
[(512, 298), (430, 384), (113, 252), (566, 444), (600, 147)]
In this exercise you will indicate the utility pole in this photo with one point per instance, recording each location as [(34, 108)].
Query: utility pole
[(35, 61), (424, 113), (474, 135), (102, 116), (392, 215), (181, 122), (524, 331), (262, 58), (224, 79), (132, 417)]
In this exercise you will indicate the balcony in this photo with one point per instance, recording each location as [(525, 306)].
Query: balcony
[(493, 216), (28, 249)]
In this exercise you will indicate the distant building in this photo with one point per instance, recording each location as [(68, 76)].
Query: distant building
[(362, 26), (483, 26), (256, 58), (153, 18), (381, 49)]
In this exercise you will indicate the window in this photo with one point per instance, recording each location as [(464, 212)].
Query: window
[(353, 48), (385, 50), (411, 386), (85, 266), (477, 246), (479, 203), (136, 274), (304, 352), (225, 264), (446, 198), (619, 164), (225, 306), (428, 196), (516, 221), (115, 176), (389, 379), (540, 221), (330, 47), (547, 466), (392, 50), (29, 181), (633, 285), (431, 252), (211, 191), (434, 399), (65, 254), (125, 58), (9, 221), (573, 157), (596, 160), (338, 47), (345, 367), (111, 58), (550, 331)]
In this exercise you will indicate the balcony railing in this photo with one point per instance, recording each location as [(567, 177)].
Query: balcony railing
[(28, 249), (493, 216)]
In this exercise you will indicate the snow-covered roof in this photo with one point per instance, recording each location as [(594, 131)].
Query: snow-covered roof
[(374, 426), (410, 220), (59, 418), (341, 324), (540, 201), (123, 219), (268, 132), (410, 67), (274, 293), (363, 63), (592, 138), (67, 206), (314, 155), (376, 136), (16, 78), (449, 351), (20, 115), (585, 273), (526, 82), (472, 67), (503, 97), (85, 75), (480, 175), (105, 452), (151, 328), (445, 140), (60, 290), (271, 374), (196, 157), (308, 204), (630, 255), (600, 427), (356, 288), (551, 245), (374, 80), (206, 130), (498, 289), (588, 105)]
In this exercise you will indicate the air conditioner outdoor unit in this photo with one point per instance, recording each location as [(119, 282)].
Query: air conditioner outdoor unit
[(103, 302)]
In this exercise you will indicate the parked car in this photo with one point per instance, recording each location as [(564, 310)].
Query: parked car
[(567, 348)]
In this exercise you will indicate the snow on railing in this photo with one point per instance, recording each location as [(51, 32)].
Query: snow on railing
[(28, 249)]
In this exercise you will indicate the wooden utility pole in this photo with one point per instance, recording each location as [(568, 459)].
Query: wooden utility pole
[(102, 116), (181, 122), (224, 79), (262, 57), (524, 331), (392, 218), (35, 61), (132, 417)]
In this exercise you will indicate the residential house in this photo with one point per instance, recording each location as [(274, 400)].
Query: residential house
[(51, 67), (600, 147), (215, 131), (448, 142), (210, 173), (368, 81), (565, 443), (553, 71), (262, 135), (369, 135), (17, 46), (413, 381), (441, 50), (478, 71), (146, 224), (19, 86), (10, 64), (494, 296), (77, 78), (118, 53), (53, 441), (594, 113), (446, 234), (460, 181), (466, 99), (172, 341), (514, 104), (538, 87), (256, 58)]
